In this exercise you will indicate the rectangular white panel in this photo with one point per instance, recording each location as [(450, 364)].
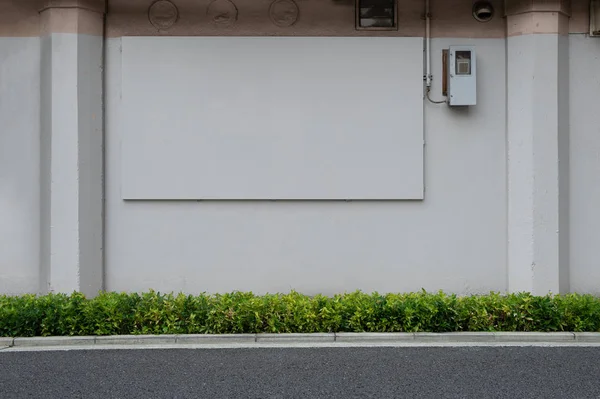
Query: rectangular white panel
[(272, 118)]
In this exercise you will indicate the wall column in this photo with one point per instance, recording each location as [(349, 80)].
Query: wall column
[(72, 146), (538, 145)]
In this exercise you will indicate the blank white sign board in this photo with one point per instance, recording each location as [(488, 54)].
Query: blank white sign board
[(272, 118)]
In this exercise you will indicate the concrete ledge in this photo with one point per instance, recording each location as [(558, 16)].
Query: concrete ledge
[(307, 339), (289, 338), (534, 337), (199, 339), (587, 337), (54, 341), (136, 339), (456, 337), (374, 337)]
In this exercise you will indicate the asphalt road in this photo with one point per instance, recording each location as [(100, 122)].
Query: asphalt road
[(471, 372)]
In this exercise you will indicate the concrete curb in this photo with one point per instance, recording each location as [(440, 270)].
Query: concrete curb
[(135, 340), (207, 339), (353, 338), (536, 337), (374, 337), (53, 341), (587, 337), (295, 338)]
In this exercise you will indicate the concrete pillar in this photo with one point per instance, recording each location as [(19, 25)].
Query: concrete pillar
[(72, 146), (538, 145)]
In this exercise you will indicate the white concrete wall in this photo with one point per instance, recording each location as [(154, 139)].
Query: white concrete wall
[(454, 240), (585, 163), (71, 156), (538, 157), (272, 118), (19, 164)]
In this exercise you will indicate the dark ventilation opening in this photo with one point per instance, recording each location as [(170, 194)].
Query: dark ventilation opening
[(376, 14), (483, 11)]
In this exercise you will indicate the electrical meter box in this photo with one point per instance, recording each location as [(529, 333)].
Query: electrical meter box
[(462, 79)]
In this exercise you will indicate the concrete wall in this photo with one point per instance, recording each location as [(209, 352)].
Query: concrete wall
[(585, 163), (19, 164), (272, 118), (72, 158), (455, 240)]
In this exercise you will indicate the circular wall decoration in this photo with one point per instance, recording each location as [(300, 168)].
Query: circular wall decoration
[(222, 12), (284, 12), (163, 14)]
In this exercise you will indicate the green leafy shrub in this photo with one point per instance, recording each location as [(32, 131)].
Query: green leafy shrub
[(112, 313)]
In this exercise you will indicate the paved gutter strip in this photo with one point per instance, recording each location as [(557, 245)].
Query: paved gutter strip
[(342, 338)]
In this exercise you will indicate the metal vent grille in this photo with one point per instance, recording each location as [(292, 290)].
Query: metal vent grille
[(376, 14)]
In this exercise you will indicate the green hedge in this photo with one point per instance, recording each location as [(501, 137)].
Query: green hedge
[(238, 312)]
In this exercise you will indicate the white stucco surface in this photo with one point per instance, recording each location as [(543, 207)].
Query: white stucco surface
[(537, 138), (585, 163), (72, 156), (60, 171), (317, 118), (454, 240), (19, 164)]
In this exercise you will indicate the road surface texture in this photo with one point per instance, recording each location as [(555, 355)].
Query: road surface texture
[(455, 372)]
